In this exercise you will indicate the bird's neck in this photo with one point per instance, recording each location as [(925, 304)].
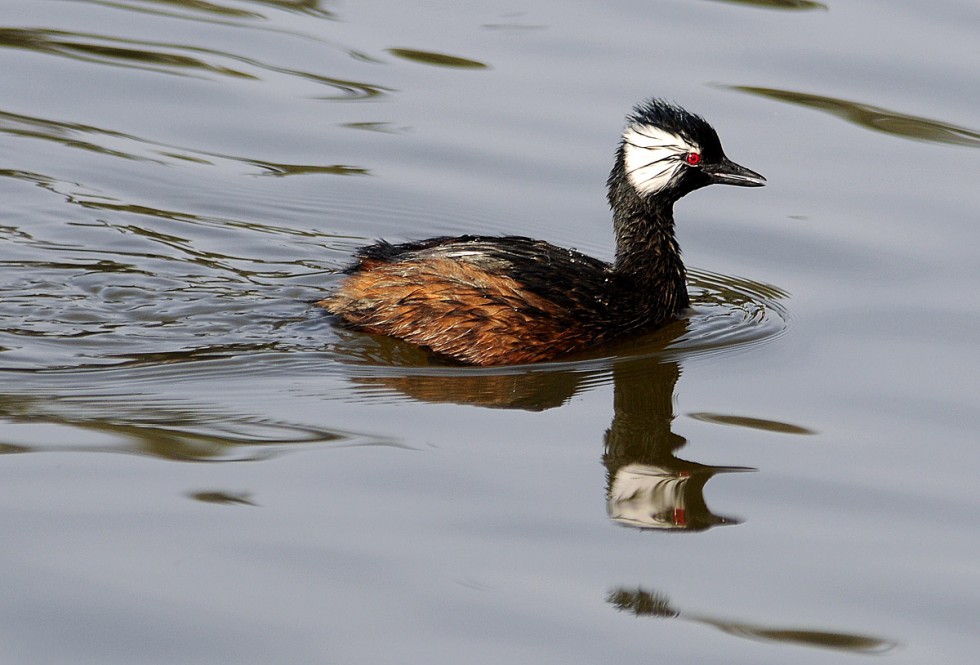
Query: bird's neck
[(648, 262)]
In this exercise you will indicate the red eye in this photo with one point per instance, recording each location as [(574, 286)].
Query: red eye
[(693, 158)]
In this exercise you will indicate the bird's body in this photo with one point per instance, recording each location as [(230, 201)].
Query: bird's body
[(504, 300), (482, 300)]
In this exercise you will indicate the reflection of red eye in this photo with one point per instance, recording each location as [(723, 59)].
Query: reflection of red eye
[(693, 158)]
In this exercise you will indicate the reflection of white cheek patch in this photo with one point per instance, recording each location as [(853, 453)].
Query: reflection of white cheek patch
[(653, 157)]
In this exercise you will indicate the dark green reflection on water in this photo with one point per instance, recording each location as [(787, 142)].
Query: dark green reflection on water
[(170, 59), (874, 117), (309, 7), (437, 59), (108, 50), (197, 220), (280, 170), (380, 127), (67, 134), (149, 7), (778, 4), (642, 603), (136, 425), (223, 498), (751, 423), (98, 140)]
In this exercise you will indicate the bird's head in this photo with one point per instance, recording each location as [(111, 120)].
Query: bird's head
[(667, 152)]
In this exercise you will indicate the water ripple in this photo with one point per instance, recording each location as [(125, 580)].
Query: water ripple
[(126, 146), (180, 8), (168, 58), (192, 8), (730, 312), (111, 51), (153, 426)]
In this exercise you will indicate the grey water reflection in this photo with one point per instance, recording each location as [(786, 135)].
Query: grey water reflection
[(875, 117), (642, 603)]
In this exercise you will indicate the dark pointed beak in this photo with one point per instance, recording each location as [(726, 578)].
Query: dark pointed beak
[(727, 172)]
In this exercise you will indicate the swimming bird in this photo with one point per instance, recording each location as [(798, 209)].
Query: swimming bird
[(502, 300)]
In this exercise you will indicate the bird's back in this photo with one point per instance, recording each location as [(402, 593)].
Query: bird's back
[(480, 299)]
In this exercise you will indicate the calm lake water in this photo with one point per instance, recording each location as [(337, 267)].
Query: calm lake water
[(199, 467)]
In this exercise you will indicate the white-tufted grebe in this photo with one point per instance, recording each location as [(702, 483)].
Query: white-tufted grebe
[(488, 300)]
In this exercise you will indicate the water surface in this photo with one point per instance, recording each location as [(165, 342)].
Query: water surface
[(198, 467)]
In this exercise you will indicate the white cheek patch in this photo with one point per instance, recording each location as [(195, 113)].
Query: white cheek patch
[(653, 156)]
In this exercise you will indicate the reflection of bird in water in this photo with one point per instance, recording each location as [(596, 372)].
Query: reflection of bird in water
[(505, 300), (648, 487), (655, 497), (642, 603)]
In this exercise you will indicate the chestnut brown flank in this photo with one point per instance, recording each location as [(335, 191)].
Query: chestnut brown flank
[(457, 309)]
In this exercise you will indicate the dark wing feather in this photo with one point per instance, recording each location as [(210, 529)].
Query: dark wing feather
[(574, 282)]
